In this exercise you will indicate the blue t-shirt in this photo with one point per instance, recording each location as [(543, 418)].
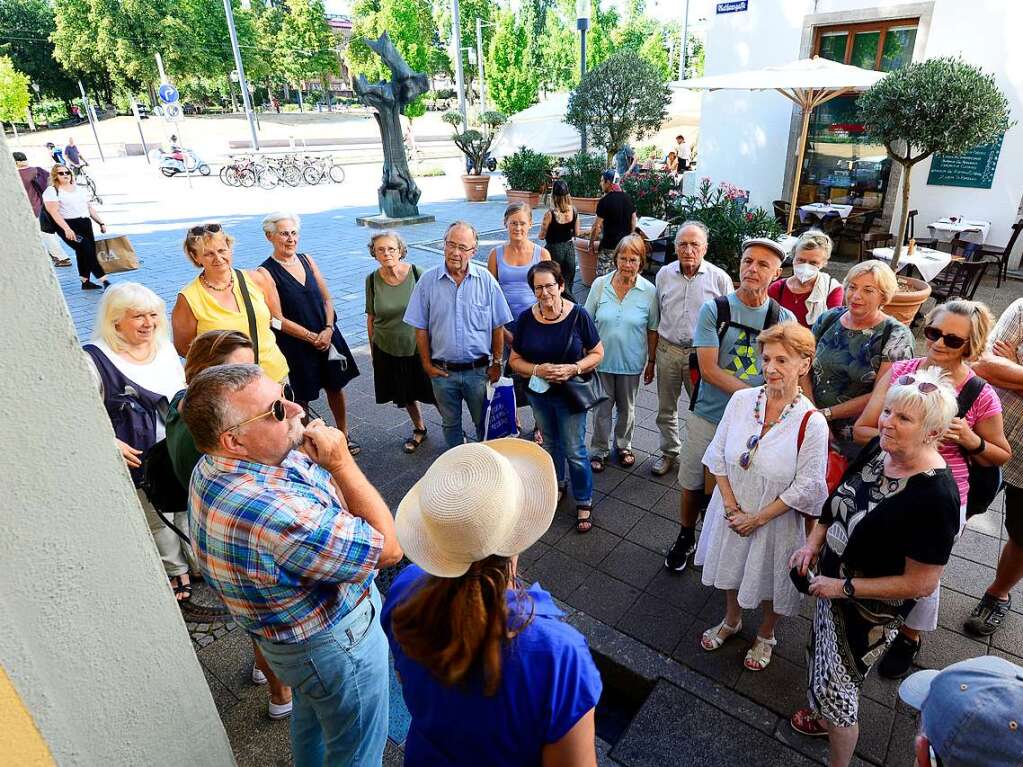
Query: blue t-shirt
[(539, 342), (623, 325), (737, 353), (548, 682)]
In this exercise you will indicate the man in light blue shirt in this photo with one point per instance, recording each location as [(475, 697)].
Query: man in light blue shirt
[(728, 362), (459, 313)]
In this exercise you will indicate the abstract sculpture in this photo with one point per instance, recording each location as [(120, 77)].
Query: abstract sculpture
[(398, 194)]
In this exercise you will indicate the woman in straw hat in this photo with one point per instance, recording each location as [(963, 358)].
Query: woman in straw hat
[(489, 672)]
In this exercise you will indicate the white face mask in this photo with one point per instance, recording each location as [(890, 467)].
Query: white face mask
[(805, 272)]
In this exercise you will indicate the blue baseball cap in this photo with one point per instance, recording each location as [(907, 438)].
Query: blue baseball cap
[(971, 711), (608, 176)]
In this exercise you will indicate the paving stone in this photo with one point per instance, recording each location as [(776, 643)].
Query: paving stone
[(654, 532), (230, 660), (793, 635), (533, 553), (901, 749), (603, 597), (884, 691), (1009, 637), (615, 515), (989, 524), (223, 698), (668, 506), (609, 479), (967, 577), (781, 687), (639, 490), (977, 547), (604, 754), (632, 563), (394, 755), (256, 739), (875, 730), (589, 548), (559, 573), (683, 590), (656, 623), (562, 524), (942, 647), (723, 665), (672, 724), (953, 609)]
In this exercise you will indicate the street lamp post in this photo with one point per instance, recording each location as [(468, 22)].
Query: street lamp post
[(456, 46), (683, 57), (241, 72), (582, 22)]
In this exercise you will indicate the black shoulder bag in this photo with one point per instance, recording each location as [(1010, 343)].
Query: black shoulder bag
[(583, 391), (46, 223), (249, 313), (985, 481)]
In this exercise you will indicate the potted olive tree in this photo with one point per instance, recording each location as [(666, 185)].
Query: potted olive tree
[(938, 105), (475, 144), (526, 173)]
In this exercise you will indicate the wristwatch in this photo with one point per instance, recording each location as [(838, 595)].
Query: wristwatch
[(827, 413), (979, 448), (848, 589)]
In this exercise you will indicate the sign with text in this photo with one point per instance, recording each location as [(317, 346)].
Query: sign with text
[(733, 7), (974, 168)]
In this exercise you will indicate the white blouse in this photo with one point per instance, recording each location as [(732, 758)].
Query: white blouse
[(74, 203)]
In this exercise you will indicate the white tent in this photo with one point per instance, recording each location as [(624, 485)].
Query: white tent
[(542, 127), (807, 82)]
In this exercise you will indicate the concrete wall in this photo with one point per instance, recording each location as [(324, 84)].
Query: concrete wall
[(90, 635), (749, 138)]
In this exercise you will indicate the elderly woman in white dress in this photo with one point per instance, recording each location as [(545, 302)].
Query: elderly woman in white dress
[(769, 456)]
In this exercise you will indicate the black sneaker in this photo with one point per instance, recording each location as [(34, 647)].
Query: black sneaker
[(897, 662), (678, 554), (988, 615), (89, 285)]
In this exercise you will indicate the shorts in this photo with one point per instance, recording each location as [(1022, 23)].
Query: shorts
[(699, 433), (1014, 513)]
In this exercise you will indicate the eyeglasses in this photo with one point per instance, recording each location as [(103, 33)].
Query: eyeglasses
[(550, 287), (201, 229), (925, 386), (932, 334), (63, 173), (751, 450), (689, 245), (292, 235), (463, 249), (277, 410)]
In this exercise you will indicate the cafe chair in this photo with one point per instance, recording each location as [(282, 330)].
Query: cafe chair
[(1002, 254), (960, 279), (856, 226), (872, 240)]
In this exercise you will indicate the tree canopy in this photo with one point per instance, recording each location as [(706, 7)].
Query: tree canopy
[(511, 83), (14, 94)]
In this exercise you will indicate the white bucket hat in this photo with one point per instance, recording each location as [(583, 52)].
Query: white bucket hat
[(475, 501)]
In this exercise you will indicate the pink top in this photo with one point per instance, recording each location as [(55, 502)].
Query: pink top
[(986, 405), (796, 302)]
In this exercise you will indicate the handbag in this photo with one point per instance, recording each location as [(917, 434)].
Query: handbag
[(250, 313), (46, 223), (116, 254), (499, 419), (583, 391), (985, 481)]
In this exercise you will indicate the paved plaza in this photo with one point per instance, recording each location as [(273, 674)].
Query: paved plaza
[(666, 701)]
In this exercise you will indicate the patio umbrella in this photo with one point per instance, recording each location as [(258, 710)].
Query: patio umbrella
[(807, 82)]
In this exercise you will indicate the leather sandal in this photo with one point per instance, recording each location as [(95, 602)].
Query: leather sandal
[(716, 636), (805, 722), (597, 464), (583, 523), (626, 458), (182, 590), (758, 657), (412, 443)]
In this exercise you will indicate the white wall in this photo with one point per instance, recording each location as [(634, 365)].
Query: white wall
[(90, 634)]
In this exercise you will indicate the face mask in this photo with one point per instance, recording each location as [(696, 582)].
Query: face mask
[(805, 272), (539, 385)]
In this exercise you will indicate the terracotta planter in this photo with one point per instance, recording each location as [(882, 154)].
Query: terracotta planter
[(532, 199), (476, 187), (907, 302), (585, 204), (587, 259)]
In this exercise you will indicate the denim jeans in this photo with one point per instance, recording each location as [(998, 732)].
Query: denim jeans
[(469, 386), (339, 686), (564, 437)]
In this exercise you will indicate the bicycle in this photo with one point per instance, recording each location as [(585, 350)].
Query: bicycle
[(83, 179)]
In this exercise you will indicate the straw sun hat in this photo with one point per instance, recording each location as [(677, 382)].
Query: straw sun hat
[(475, 501)]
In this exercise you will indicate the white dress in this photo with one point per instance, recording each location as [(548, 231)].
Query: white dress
[(758, 565)]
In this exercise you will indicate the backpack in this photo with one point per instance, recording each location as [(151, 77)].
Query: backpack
[(723, 312), (985, 481)]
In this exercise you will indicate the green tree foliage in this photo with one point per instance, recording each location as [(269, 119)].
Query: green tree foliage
[(600, 40), (653, 51), (76, 25), (555, 55), (27, 26), (511, 82), (468, 11), (624, 97), (14, 87), (908, 111), (308, 45), (366, 23)]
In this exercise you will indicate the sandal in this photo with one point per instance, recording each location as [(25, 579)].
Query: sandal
[(717, 635), (537, 436), (597, 464), (626, 458), (561, 494), (354, 447), (412, 443), (583, 524), (758, 657), (182, 590), (805, 722)]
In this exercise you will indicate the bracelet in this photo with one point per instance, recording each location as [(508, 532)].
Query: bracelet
[(979, 449), (578, 369), (651, 361)]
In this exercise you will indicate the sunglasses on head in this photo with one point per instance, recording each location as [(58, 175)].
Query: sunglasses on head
[(925, 386), (277, 410), (932, 334), (201, 229)]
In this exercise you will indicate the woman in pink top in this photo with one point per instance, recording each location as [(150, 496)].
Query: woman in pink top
[(956, 335), (810, 291)]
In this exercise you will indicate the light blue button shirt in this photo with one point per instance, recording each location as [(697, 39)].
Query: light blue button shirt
[(623, 325), (460, 319)]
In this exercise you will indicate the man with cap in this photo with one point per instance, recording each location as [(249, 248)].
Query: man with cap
[(616, 217), (971, 713), (725, 340), (35, 180)]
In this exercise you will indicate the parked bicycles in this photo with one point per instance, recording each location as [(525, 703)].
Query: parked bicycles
[(290, 168)]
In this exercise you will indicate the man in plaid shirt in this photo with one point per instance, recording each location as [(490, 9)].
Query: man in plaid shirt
[(291, 541)]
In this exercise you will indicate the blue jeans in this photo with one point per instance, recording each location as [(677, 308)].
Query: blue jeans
[(469, 386), (339, 686), (564, 437)]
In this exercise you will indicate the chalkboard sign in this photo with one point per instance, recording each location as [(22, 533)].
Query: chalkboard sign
[(975, 168)]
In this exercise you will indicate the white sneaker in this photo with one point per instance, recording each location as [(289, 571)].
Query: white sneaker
[(279, 710), (258, 677)]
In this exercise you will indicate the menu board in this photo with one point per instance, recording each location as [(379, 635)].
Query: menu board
[(975, 168)]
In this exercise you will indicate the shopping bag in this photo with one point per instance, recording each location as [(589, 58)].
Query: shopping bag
[(116, 254), (499, 411)]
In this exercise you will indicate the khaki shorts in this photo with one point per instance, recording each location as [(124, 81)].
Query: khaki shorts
[(699, 433)]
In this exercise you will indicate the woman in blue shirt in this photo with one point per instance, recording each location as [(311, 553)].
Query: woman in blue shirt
[(624, 307), (489, 672)]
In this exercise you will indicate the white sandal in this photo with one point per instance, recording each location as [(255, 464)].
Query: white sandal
[(716, 636), (758, 657)]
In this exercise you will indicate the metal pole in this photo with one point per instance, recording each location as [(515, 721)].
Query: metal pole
[(479, 64), (683, 58), (88, 113), (583, 25), (456, 36), (241, 72), (138, 122)]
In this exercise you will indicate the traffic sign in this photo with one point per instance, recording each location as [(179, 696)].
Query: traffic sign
[(172, 112), (168, 93)]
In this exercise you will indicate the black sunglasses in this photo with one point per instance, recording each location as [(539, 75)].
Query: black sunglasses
[(932, 334), (276, 410), (201, 229), (63, 173)]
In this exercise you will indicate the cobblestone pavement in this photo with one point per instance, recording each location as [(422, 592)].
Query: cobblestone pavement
[(666, 701)]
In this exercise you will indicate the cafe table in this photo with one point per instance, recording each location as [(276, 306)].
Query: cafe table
[(945, 230), (824, 210), (928, 262)]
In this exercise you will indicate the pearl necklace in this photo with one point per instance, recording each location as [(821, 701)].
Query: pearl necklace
[(760, 407), (208, 284)]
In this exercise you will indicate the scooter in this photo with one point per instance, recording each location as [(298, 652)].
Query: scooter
[(173, 162), (489, 162)]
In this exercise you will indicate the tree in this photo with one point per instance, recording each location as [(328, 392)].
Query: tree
[(31, 23), (624, 97), (555, 55), (366, 25), (599, 41), (511, 84), (13, 92), (468, 12), (908, 111), (307, 43), (409, 24), (75, 25), (653, 51)]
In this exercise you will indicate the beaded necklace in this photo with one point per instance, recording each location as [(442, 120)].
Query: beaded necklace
[(758, 409)]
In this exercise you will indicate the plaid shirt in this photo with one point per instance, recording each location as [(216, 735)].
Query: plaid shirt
[(278, 546), (1010, 330)]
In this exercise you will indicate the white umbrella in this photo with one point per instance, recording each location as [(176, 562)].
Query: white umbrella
[(807, 82)]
